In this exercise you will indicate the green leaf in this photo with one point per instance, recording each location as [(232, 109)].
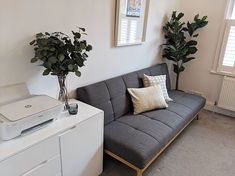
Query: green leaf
[(80, 61), (181, 69), (192, 50), (88, 48), (33, 60), (196, 35), (192, 43), (70, 67), (76, 34), (84, 55), (82, 29), (47, 64), (181, 15), (46, 72), (78, 73), (185, 60), (204, 18), (82, 46), (52, 60), (62, 68), (32, 42), (196, 17), (174, 14), (39, 35), (61, 57), (52, 49), (75, 68)]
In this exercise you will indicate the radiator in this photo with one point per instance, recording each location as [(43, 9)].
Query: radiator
[(227, 94)]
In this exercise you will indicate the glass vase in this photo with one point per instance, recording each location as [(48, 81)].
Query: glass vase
[(63, 93)]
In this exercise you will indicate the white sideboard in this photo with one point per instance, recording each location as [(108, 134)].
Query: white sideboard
[(69, 146)]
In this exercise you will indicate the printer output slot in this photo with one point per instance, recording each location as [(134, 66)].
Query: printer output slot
[(36, 127)]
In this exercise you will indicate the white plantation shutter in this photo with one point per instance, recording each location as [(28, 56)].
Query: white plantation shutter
[(227, 56), (227, 53)]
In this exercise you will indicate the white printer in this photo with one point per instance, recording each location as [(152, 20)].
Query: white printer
[(21, 112)]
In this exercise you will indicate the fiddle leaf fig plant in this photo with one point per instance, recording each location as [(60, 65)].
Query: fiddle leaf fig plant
[(60, 54), (181, 42)]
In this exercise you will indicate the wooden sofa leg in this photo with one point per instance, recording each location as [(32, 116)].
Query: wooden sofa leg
[(197, 117), (139, 173)]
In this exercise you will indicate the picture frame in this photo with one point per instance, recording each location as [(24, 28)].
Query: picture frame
[(131, 22)]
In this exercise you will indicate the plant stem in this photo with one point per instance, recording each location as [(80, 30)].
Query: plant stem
[(177, 81), (177, 77)]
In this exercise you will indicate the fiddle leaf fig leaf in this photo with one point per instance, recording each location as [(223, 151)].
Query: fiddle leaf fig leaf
[(33, 60), (39, 35), (32, 42), (181, 69)]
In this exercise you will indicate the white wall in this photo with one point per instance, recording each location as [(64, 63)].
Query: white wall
[(197, 76), (20, 20)]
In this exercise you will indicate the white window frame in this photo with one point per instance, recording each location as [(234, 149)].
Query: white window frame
[(218, 67)]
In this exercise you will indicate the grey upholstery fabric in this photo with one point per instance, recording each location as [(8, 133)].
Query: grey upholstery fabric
[(118, 96), (193, 102), (97, 95), (129, 143), (138, 138)]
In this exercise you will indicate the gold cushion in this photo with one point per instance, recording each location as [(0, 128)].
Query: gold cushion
[(146, 99)]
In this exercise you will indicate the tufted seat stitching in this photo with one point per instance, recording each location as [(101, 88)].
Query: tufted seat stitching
[(158, 121), (139, 130)]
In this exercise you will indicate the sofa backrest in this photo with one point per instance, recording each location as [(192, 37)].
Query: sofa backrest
[(112, 96)]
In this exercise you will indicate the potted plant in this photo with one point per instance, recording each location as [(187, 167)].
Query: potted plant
[(60, 55), (180, 43)]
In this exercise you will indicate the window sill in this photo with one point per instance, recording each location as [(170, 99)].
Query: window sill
[(222, 73)]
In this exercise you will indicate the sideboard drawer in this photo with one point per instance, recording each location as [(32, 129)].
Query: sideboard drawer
[(30, 158), (50, 168)]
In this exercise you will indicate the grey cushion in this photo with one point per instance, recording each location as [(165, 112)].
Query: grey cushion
[(193, 102), (97, 95), (154, 128), (169, 118), (129, 143), (118, 95)]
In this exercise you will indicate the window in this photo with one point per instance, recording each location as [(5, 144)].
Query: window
[(227, 54)]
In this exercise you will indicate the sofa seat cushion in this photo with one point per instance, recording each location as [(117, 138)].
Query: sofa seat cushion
[(193, 102), (131, 144), (154, 128), (169, 118)]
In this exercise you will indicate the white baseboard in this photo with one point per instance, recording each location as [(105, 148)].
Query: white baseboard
[(211, 107)]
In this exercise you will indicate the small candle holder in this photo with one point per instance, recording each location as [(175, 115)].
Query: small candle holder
[(73, 108)]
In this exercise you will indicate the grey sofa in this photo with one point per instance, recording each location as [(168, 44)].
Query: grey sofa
[(138, 140)]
